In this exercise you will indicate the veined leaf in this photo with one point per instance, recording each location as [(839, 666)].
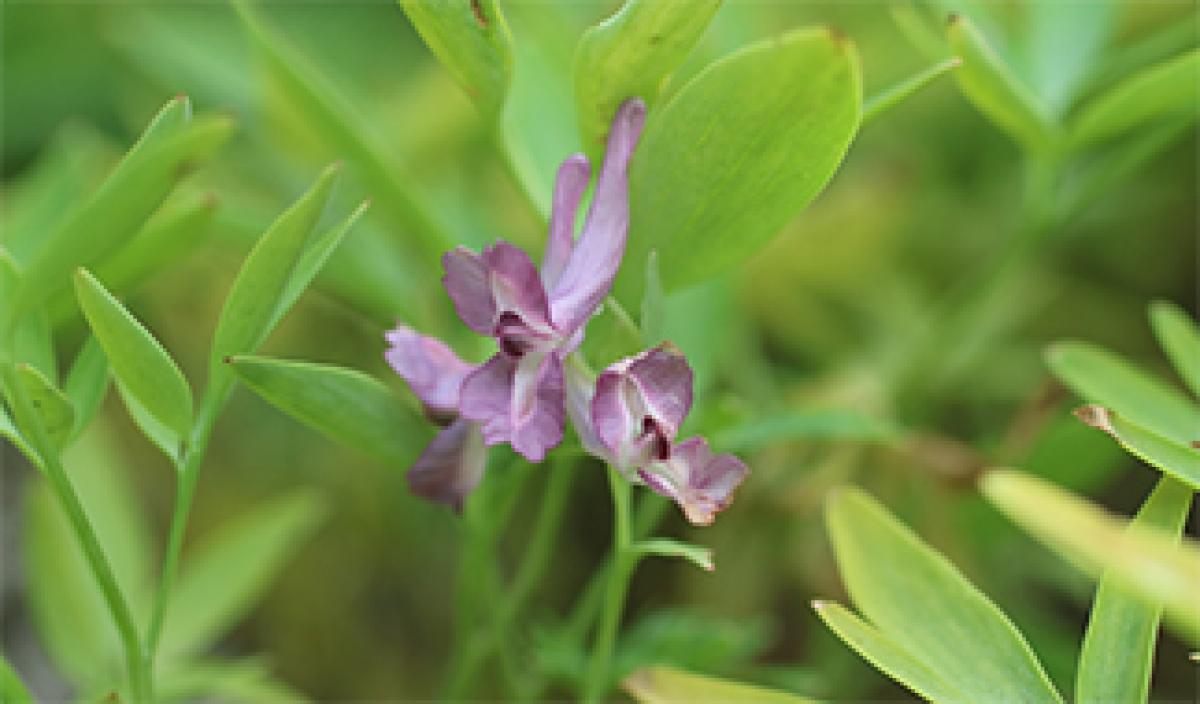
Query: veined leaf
[(698, 555), (884, 101), (1157, 92), (632, 54), (887, 655), (12, 689), (347, 405), (471, 39), (914, 596), (52, 407), (1180, 339), (1147, 562), (229, 570), (1118, 649), (731, 158), (1176, 459), (992, 88), (261, 284), (139, 361), (86, 383), (1103, 378), (668, 685)]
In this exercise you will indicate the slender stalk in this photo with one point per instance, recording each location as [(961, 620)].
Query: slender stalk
[(118, 606), (623, 562)]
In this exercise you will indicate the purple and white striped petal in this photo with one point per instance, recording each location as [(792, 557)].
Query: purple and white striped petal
[(639, 404), (592, 266), (701, 483), (432, 370), (500, 286), (569, 186), (519, 401), (451, 466)]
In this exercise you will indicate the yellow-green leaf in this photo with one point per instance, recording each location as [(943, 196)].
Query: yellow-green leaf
[(1177, 459), (1180, 339), (52, 407), (668, 685), (1162, 91)]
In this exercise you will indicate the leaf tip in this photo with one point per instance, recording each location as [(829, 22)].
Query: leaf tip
[(1096, 416), (819, 605)]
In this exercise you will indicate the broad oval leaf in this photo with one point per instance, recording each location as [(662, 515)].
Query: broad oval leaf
[(1118, 649), (1102, 377), (138, 361), (52, 407), (1177, 459), (1180, 339), (261, 284), (992, 88), (737, 153), (1162, 91), (1148, 562), (471, 39), (632, 54), (347, 405), (913, 595), (668, 685)]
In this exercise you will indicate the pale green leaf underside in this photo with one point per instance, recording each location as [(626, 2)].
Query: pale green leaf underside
[(1176, 459)]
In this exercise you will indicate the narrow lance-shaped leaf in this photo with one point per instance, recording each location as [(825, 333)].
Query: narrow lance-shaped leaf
[(138, 361), (262, 282), (52, 408), (991, 86), (1118, 649), (472, 41), (1168, 89), (914, 596), (668, 685), (698, 555), (1175, 458), (347, 405), (86, 383), (766, 154), (1180, 339), (632, 54), (887, 655), (881, 102), (1103, 378), (1143, 560)]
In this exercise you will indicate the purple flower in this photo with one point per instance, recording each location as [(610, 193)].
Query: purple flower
[(537, 318), (453, 463), (635, 414)]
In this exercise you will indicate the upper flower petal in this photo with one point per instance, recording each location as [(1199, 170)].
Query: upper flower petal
[(701, 483), (451, 466), (592, 266), (500, 283), (518, 401), (639, 404), (431, 368), (569, 186), (469, 286)]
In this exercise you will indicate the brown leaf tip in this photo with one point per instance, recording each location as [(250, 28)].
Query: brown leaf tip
[(1096, 416), (1195, 444), (477, 10)]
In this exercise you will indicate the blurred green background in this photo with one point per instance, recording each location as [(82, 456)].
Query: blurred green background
[(842, 313)]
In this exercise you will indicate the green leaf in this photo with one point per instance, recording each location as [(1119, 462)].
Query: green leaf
[(731, 158), (686, 640), (698, 555), (914, 596), (246, 680), (1103, 378), (52, 407), (882, 102), (668, 685), (1118, 650), (1180, 339), (1176, 459), (86, 383), (992, 88), (1165, 90), (886, 654), (9, 430), (139, 362), (1145, 561), (33, 342), (159, 435), (632, 54), (347, 405), (312, 259), (815, 424), (261, 284), (12, 689), (654, 314), (471, 39), (229, 570), (1064, 41), (130, 194)]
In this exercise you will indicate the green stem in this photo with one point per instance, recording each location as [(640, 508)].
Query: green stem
[(185, 490), (623, 562), (118, 606)]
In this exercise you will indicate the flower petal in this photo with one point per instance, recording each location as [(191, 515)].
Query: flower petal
[(432, 370), (569, 185), (469, 286), (451, 466), (516, 286), (701, 483), (640, 403), (593, 264), (518, 401), (664, 381), (580, 389)]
